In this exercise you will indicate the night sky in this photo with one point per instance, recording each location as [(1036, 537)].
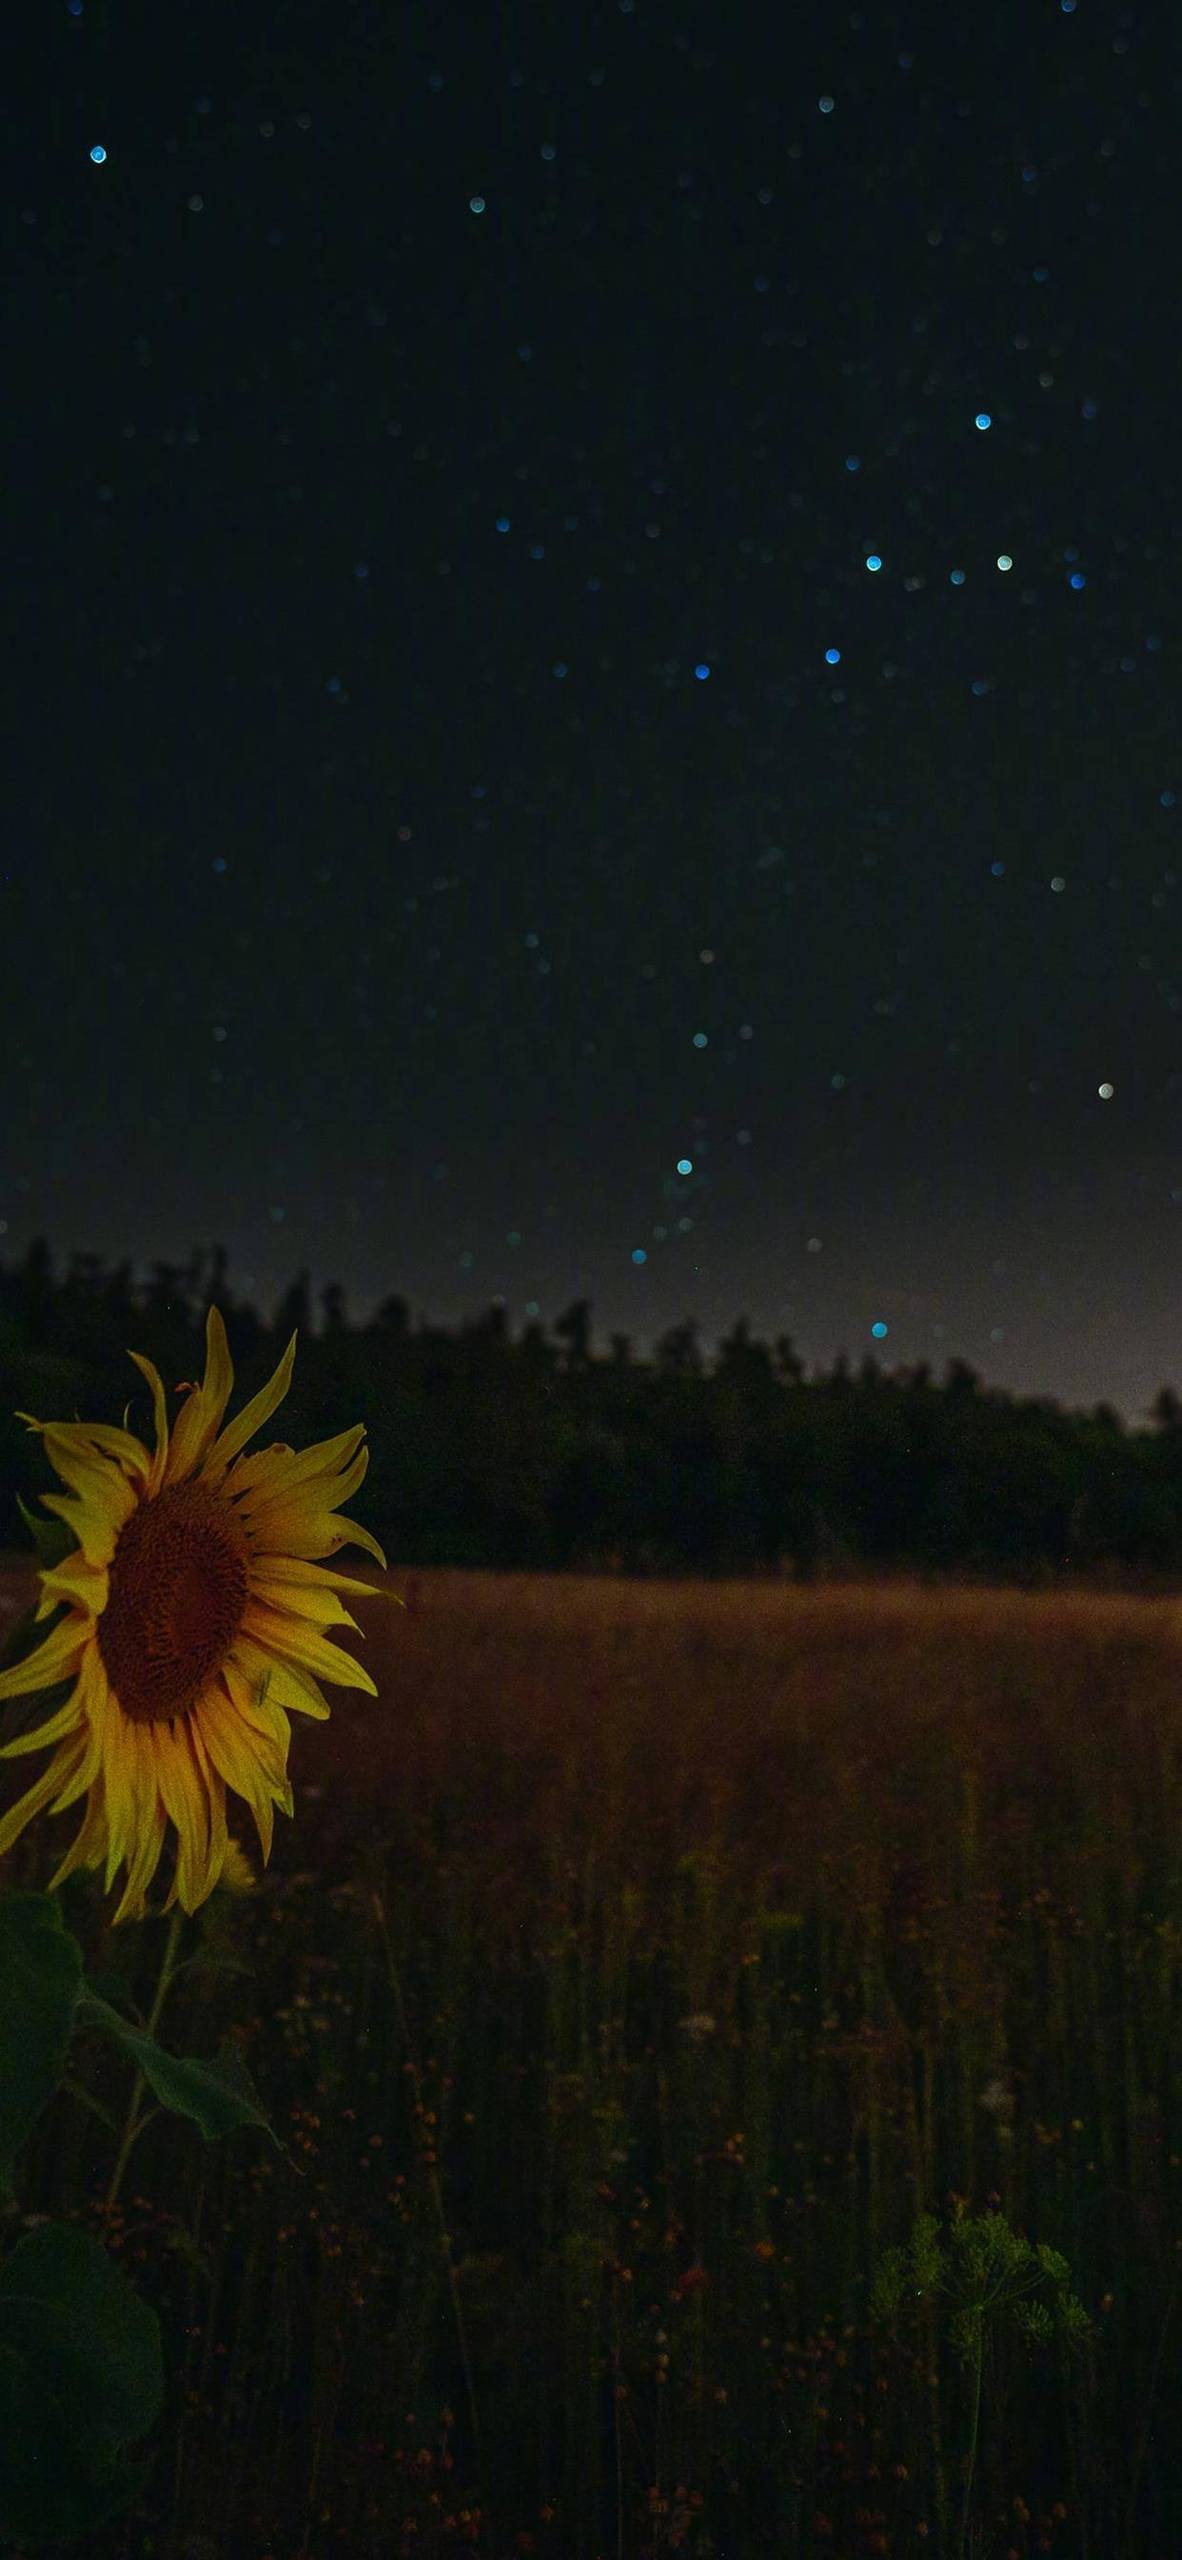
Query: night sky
[(593, 662)]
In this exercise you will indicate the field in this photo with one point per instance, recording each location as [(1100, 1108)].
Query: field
[(634, 1973)]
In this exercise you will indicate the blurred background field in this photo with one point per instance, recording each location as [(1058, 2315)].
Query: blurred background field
[(636, 1968)]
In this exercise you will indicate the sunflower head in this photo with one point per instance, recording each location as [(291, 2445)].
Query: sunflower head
[(193, 1628)]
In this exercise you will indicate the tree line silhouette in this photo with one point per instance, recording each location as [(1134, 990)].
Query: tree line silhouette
[(540, 1454)]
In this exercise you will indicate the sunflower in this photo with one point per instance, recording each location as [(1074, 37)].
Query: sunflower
[(194, 1627)]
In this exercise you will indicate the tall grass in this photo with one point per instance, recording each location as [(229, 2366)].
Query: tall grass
[(637, 1969)]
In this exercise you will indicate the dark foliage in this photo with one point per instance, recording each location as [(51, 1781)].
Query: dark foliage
[(541, 1454)]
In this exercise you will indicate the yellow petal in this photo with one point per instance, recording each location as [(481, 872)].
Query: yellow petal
[(280, 1469), (227, 1742), (149, 1839), (264, 1823), (232, 1749), (310, 1577), (98, 1440), (251, 1418), (85, 1773), (302, 1646), (96, 1532), (319, 1492), (120, 1786), (56, 1659), (200, 1417), (269, 1721), (67, 1720), (184, 1801), (215, 1786), (296, 1529), (75, 1578), (322, 1607), (101, 1483), (13, 1822), (298, 1691), (88, 1847), (160, 1412), (238, 1746)]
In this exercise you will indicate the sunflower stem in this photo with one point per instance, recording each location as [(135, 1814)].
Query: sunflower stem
[(134, 2124)]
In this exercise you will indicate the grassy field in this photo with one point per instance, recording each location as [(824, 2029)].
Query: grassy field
[(636, 1970)]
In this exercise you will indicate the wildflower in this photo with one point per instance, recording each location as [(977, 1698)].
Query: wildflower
[(237, 1875), (194, 1628), (998, 2097), (701, 2024)]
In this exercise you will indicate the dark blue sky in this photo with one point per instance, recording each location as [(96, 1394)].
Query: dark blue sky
[(467, 761)]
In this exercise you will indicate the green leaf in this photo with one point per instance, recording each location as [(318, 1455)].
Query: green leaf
[(112, 1985), (926, 2256), (1053, 2264), (81, 2376), (217, 2095), (52, 1538), (965, 2330), (206, 1961), (185, 2246), (886, 2293), (40, 1975), (85, 2099)]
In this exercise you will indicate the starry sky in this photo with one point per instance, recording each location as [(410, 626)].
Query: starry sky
[(592, 692)]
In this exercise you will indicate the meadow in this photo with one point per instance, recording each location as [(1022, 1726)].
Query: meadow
[(636, 1973)]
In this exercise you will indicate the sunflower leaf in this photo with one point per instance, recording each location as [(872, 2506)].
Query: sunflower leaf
[(112, 1985), (86, 2099), (183, 2244), (40, 1974), (218, 2095), (81, 2376), (206, 1961)]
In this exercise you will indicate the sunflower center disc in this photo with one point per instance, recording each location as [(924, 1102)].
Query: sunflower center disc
[(176, 1594)]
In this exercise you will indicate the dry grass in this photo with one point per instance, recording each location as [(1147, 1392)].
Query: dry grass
[(719, 1930)]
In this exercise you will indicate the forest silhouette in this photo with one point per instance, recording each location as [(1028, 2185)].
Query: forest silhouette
[(541, 1454)]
